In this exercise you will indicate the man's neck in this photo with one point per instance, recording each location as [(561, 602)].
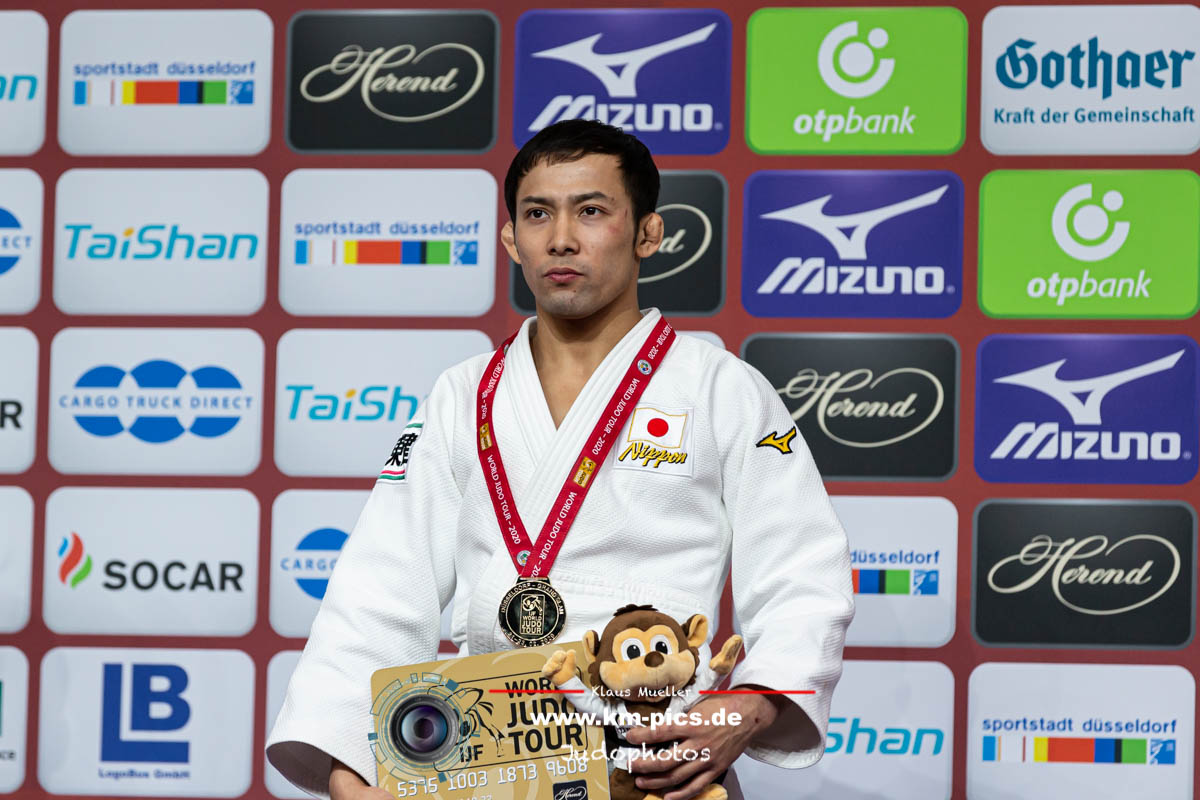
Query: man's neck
[(573, 348)]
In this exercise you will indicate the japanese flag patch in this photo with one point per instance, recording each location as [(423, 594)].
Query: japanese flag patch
[(657, 440)]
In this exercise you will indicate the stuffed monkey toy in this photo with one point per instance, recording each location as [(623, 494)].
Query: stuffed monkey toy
[(644, 662)]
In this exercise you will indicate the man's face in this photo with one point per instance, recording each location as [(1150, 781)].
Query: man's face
[(575, 236)]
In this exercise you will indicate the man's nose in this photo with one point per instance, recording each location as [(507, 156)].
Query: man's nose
[(562, 239), (654, 658)]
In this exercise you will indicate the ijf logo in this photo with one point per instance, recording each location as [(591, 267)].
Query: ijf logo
[(23, 39), (1090, 244), (856, 80), (663, 75), (148, 721), (1086, 409), (853, 244), (161, 82), (1090, 79)]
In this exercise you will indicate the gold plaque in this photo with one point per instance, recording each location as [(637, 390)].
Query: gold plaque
[(480, 728)]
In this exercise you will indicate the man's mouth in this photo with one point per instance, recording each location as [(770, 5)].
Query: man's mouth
[(562, 275)]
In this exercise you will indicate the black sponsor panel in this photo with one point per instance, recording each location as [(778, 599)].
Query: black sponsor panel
[(880, 406), (392, 81), (1093, 573), (687, 274)]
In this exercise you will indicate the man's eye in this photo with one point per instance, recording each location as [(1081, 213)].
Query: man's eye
[(535, 213), (591, 211)]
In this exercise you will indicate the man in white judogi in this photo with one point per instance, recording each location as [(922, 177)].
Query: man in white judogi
[(707, 474)]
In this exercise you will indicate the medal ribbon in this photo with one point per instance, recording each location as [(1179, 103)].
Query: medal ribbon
[(582, 475)]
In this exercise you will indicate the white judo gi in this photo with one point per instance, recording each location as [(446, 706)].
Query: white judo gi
[(656, 528)]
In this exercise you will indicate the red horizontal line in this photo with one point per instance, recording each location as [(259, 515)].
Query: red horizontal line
[(536, 691), (758, 691)]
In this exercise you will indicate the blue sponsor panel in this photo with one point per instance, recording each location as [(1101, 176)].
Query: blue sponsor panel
[(853, 243), (1081, 408), (660, 74)]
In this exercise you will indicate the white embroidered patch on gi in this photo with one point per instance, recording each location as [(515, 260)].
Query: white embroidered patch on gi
[(396, 468), (657, 440)]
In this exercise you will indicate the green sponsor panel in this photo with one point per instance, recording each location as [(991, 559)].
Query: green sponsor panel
[(896, 581), (1090, 244), (856, 80), (213, 92), (437, 252)]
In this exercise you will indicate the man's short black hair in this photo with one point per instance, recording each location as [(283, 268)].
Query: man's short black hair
[(572, 139)]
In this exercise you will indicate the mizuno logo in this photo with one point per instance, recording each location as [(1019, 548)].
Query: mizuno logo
[(618, 71), (811, 215), (1084, 411)]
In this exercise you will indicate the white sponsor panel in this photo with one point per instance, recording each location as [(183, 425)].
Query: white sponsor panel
[(165, 82), (279, 673), (151, 562), (23, 40), (308, 529), (388, 242), (160, 241), (20, 235), (134, 722), (1091, 79), (904, 553), (14, 692), (173, 401), (18, 398), (16, 558), (1047, 731), (343, 396), (891, 734)]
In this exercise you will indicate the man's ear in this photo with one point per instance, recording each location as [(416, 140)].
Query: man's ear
[(696, 628), (649, 235), (591, 647), (508, 237)]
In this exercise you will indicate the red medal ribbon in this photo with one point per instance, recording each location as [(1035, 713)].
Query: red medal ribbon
[(583, 474)]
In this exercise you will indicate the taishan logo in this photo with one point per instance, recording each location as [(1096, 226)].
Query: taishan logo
[(394, 73), (74, 564)]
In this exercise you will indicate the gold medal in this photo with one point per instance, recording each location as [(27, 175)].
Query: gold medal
[(532, 613)]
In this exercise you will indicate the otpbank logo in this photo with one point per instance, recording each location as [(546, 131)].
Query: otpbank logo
[(165, 82), (1091, 79), (1090, 244), (1080, 408), (1047, 731), (856, 80), (156, 400), (853, 243), (662, 74)]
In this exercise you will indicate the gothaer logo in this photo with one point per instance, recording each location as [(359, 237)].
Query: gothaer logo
[(849, 65)]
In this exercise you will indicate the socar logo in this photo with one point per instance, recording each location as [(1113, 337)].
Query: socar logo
[(74, 563)]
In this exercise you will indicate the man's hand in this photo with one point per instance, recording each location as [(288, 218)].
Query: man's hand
[(725, 743), (344, 784)]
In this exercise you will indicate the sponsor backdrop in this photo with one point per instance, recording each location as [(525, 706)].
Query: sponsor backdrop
[(237, 246)]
